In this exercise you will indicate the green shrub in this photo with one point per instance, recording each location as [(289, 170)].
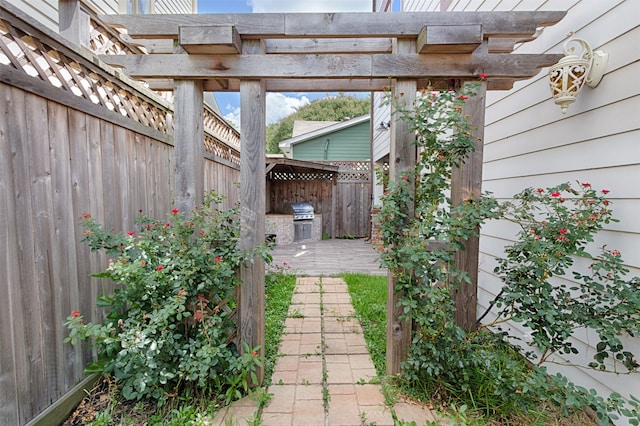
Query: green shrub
[(478, 368), (168, 326)]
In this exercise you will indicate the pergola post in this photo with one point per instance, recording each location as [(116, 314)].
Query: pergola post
[(466, 183), (189, 149), (252, 206), (402, 158)]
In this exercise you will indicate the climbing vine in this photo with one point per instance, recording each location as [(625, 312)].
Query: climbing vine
[(556, 226)]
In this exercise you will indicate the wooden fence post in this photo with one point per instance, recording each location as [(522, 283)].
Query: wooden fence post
[(252, 206), (189, 148), (402, 158), (466, 183)]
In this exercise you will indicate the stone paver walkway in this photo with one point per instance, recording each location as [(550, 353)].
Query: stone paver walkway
[(323, 372)]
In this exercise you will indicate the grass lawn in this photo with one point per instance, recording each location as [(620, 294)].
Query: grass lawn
[(369, 297)]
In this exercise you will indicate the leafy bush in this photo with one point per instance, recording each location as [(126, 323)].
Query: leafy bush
[(168, 326), (557, 223)]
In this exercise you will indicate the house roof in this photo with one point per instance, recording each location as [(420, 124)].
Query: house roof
[(300, 127), (286, 144)]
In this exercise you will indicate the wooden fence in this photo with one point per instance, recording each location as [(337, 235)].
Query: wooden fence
[(75, 138)]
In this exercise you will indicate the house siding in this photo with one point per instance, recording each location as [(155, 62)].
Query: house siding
[(347, 144), (46, 11), (530, 143), (173, 6)]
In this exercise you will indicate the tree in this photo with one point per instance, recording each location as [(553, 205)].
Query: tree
[(335, 108)]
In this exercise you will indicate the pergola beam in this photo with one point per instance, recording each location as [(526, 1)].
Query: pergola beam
[(449, 38), (336, 25), (319, 85), (356, 66)]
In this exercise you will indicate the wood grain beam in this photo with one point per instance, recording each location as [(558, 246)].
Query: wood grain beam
[(466, 184), (252, 208), (189, 150), (449, 38), (402, 161), (323, 85), (210, 39), (329, 45), (358, 66), (336, 25)]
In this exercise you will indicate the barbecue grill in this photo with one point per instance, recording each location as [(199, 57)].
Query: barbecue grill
[(301, 211), (303, 215)]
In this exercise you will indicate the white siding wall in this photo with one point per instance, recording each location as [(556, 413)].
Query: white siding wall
[(530, 143), (173, 6), (46, 11)]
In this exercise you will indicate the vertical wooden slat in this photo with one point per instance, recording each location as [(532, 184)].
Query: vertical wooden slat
[(80, 294), (121, 180), (252, 205), (189, 149), (466, 183), (64, 262), (97, 260), (109, 176), (10, 271), (25, 321), (402, 158), (42, 351), (154, 175)]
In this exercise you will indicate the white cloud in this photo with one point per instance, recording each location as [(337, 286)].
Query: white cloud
[(233, 116), (278, 107), (310, 6)]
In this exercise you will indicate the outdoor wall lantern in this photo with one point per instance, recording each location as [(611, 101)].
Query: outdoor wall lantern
[(574, 70), (384, 126)]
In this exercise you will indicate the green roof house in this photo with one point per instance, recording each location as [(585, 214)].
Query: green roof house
[(344, 140)]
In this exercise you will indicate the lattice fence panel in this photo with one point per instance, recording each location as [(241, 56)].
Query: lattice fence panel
[(44, 60), (353, 171), (297, 176), (214, 146), (105, 41)]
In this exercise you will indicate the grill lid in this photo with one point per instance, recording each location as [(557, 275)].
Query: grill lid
[(301, 211)]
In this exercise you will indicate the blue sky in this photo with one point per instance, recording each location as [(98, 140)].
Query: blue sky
[(279, 105)]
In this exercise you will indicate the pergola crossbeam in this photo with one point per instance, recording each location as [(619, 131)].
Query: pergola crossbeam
[(357, 66), (337, 25)]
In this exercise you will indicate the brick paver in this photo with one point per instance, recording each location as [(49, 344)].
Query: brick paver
[(322, 374)]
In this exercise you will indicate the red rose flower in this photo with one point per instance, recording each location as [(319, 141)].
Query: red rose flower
[(555, 194), (75, 314), (159, 268), (605, 191), (218, 259), (175, 211)]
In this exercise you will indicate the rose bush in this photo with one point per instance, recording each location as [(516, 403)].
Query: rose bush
[(168, 325), (556, 226)]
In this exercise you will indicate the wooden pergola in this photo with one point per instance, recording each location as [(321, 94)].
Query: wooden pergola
[(288, 52)]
